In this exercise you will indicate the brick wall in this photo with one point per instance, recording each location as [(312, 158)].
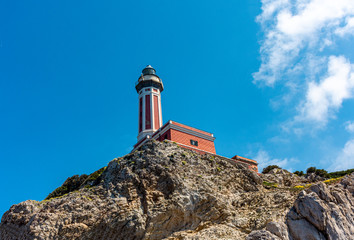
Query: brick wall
[(166, 135), (253, 168), (147, 112), (185, 139), (190, 128), (140, 115), (156, 113)]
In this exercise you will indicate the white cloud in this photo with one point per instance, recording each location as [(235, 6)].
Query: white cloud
[(269, 7), (328, 95), (348, 28), (345, 159), (310, 16), (294, 52), (349, 126), (264, 160)]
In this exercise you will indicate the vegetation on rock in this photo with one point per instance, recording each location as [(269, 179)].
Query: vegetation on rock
[(76, 182), (270, 167), (94, 178), (310, 170), (323, 173), (270, 184), (340, 173), (299, 173), (71, 184)]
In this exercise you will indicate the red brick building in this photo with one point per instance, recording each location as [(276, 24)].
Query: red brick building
[(149, 87), (185, 136)]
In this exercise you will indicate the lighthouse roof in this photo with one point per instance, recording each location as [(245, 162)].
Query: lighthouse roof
[(149, 70), (148, 78)]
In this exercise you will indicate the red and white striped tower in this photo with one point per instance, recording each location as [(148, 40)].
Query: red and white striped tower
[(149, 88)]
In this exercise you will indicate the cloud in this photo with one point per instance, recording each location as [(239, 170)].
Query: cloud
[(325, 97), (299, 51), (349, 126), (348, 28), (264, 160), (345, 159)]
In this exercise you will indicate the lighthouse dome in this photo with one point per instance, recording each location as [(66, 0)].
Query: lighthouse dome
[(148, 70), (148, 78)]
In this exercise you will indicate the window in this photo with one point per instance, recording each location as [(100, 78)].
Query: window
[(147, 90), (194, 143)]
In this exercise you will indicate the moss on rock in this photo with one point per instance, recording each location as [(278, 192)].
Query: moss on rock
[(76, 182)]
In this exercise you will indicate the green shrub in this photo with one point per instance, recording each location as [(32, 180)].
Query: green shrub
[(71, 184), (75, 182), (324, 173), (94, 177), (299, 173), (311, 170), (340, 173), (318, 172), (321, 173)]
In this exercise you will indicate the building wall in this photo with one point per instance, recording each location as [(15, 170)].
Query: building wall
[(166, 135), (190, 128), (253, 168), (148, 112), (156, 112), (150, 115), (140, 114), (184, 140), (204, 146)]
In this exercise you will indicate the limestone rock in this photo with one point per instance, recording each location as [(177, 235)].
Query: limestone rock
[(261, 235), (282, 178), (321, 212), (313, 177), (163, 191), (279, 229)]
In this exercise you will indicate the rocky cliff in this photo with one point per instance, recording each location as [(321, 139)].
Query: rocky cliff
[(165, 192)]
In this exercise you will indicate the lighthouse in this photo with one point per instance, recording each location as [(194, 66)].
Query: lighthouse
[(149, 87)]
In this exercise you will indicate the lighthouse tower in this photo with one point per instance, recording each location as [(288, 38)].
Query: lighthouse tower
[(149, 87)]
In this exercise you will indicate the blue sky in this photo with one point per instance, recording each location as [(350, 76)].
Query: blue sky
[(273, 80)]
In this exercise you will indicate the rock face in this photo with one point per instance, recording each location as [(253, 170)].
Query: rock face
[(319, 212), (282, 178), (165, 192)]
